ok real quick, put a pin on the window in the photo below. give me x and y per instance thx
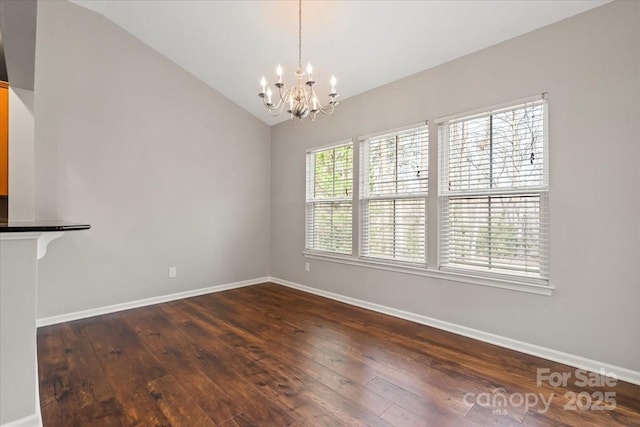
(393, 195)
(492, 199)
(493, 192)
(330, 199)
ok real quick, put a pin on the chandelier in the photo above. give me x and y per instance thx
(301, 100)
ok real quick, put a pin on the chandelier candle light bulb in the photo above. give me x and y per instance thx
(263, 82)
(309, 71)
(302, 99)
(269, 96)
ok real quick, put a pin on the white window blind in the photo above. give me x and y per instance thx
(329, 199)
(393, 194)
(493, 192)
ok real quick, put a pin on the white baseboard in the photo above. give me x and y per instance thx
(52, 320)
(623, 374)
(32, 420)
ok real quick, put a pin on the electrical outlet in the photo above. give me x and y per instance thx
(173, 272)
(307, 267)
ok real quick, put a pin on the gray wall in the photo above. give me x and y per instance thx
(18, 280)
(21, 154)
(590, 65)
(167, 171)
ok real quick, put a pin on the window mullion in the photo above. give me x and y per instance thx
(490, 231)
(334, 242)
(395, 218)
(355, 191)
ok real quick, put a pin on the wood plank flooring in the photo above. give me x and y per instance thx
(267, 355)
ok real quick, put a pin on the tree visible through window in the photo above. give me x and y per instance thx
(329, 199)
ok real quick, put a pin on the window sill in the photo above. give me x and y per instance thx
(512, 285)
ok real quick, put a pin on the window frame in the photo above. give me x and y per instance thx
(542, 191)
(311, 200)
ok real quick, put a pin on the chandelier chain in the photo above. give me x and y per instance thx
(300, 34)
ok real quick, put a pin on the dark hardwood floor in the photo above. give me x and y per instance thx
(272, 356)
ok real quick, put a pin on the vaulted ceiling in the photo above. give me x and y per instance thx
(230, 44)
(18, 41)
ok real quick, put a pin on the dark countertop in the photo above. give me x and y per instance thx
(40, 226)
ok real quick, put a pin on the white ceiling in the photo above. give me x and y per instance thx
(230, 44)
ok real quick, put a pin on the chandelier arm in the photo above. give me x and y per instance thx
(266, 104)
(273, 107)
(328, 108)
(284, 95)
(275, 110)
(275, 113)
